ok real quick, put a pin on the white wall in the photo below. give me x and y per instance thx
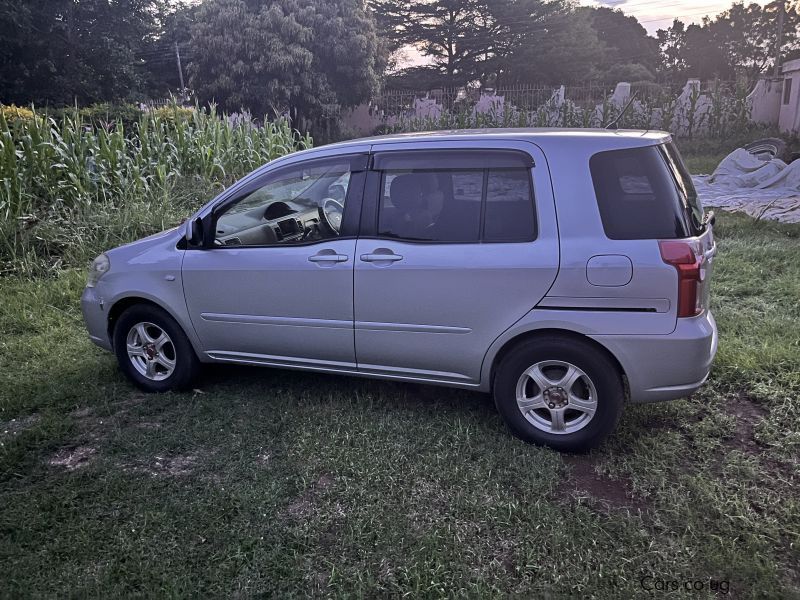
(765, 100)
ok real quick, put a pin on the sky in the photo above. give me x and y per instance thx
(659, 14)
(652, 14)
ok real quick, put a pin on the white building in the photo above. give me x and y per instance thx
(789, 119)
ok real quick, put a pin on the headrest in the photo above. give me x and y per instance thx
(406, 192)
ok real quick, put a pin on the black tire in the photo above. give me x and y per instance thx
(767, 148)
(597, 366)
(186, 363)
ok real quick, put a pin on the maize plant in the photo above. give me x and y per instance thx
(72, 171)
(43, 162)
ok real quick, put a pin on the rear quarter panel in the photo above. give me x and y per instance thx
(653, 284)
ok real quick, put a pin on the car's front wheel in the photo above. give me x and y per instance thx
(153, 351)
(559, 392)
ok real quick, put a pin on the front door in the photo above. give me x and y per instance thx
(463, 245)
(276, 287)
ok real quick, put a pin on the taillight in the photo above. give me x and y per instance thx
(685, 259)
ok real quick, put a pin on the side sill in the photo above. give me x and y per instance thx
(333, 368)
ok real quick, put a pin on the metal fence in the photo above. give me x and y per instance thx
(531, 96)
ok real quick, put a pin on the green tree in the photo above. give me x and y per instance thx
(672, 43)
(738, 42)
(304, 57)
(628, 52)
(62, 51)
(705, 54)
(630, 72)
(492, 40)
(454, 34)
(747, 35)
(563, 49)
(158, 63)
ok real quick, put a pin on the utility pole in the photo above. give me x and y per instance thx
(180, 67)
(781, 13)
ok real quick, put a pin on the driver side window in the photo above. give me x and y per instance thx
(298, 204)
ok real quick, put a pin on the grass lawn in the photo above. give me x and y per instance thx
(704, 164)
(268, 482)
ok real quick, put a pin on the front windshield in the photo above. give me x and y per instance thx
(685, 185)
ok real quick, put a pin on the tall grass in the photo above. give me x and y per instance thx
(70, 188)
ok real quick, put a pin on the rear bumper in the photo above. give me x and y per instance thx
(95, 317)
(666, 367)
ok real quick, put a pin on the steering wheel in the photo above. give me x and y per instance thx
(331, 213)
(337, 191)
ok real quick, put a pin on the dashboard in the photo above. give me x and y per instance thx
(280, 222)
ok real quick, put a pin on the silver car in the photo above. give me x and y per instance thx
(564, 271)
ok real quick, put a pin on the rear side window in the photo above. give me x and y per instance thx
(432, 206)
(509, 206)
(637, 195)
(482, 199)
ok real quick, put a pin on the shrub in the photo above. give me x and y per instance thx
(173, 113)
(108, 115)
(15, 113)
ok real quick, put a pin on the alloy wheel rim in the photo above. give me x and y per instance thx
(556, 397)
(151, 351)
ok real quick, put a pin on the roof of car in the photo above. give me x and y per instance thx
(548, 139)
(531, 134)
(543, 136)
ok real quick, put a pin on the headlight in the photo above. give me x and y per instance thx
(100, 267)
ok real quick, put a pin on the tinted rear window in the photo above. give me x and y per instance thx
(638, 195)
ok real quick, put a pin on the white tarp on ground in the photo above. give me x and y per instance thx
(766, 189)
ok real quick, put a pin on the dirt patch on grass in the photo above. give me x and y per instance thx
(304, 506)
(584, 482)
(170, 466)
(747, 413)
(72, 459)
(299, 509)
(9, 429)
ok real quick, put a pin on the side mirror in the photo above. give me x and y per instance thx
(194, 232)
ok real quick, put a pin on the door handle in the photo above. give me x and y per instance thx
(378, 257)
(331, 257)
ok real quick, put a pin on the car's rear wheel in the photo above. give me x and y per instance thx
(153, 351)
(559, 392)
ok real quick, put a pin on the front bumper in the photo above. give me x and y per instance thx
(666, 367)
(96, 317)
